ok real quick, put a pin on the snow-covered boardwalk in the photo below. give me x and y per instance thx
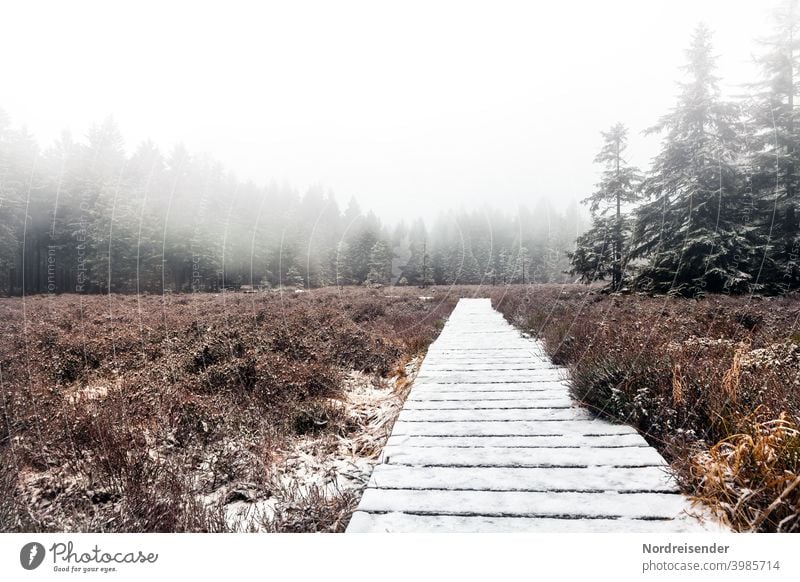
(489, 440)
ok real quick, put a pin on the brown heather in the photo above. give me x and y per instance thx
(714, 384)
(134, 414)
(151, 413)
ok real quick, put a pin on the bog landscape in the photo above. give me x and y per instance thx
(184, 350)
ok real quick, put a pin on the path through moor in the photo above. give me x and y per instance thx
(489, 440)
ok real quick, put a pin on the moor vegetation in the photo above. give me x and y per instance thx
(199, 408)
(714, 384)
(200, 412)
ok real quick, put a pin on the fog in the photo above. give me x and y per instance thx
(412, 107)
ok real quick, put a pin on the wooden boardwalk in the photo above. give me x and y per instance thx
(489, 440)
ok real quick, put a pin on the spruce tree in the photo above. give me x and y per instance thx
(775, 159)
(294, 277)
(690, 232)
(380, 263)
(412, 272)
(594, 257)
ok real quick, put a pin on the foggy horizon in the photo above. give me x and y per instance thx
(412, 111)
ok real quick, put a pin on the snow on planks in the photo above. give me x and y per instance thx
(489, 440)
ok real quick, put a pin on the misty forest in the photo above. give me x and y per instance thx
(185, 350)
(715, 211)
(99, 221)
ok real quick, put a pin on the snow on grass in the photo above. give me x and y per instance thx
(323, 470)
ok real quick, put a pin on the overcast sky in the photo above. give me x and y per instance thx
(409, 106)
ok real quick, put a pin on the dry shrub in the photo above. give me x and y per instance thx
(368, 311)
(677, 385)
(689, 374)
(733, 377)
(753, 477)
(126, 414)
(311, 509)
(318, 415)
(12, 509)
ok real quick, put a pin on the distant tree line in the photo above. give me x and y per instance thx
(717, 211)
(85, 216)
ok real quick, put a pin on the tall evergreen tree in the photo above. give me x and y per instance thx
(776, 150)
(690, 233)
(416, 267)
(618, 186)
(593, 257)
(380, 263)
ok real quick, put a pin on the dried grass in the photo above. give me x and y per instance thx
(713, 384)
(752, 478)
(148, 419)
(732, 378)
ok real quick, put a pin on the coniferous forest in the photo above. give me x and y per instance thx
(83, 216)
(717, 209)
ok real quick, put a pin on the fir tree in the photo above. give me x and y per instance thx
(775, 158)
(412, 272)
(380, 263)
(690, 231)
(294, 278)
(471, 272)
(593, 257)
(618, 186)
(602, 250)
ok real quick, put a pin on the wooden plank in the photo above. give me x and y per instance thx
(494, 354)
(488, 415)
(621, 440)
(522, 457)
(423, 387)
(363, 522)
(486, 404)
(525, 503)
(493, 376)
(487, 396)
(452, 366)
(505, 428)
(652, 479)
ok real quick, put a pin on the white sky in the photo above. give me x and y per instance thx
(410, 106)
